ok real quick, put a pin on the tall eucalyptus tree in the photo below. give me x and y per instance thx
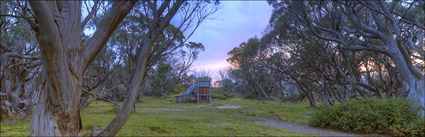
(65, 55)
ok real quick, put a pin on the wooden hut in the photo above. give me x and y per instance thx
(198, 92)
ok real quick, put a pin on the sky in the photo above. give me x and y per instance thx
(235, 22)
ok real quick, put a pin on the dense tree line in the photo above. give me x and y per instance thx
(336, 50)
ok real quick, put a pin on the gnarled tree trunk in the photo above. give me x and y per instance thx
(57, 112)
(417, 92)
(64, 58)
(413, 82)
(57, 117)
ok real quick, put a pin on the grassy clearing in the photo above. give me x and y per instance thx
(163, 117)
(296, 113)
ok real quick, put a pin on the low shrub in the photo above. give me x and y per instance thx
(394, 117)
(219, 93)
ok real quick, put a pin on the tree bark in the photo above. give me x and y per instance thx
(413, 83)
(59, 35)
(417, 93)
(53, 119)
(156, 29)
(136, 82)
(57, 112)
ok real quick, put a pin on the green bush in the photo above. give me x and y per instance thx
(219, 93)
(394, 117)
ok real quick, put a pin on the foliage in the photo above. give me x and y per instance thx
(248, 59)
(370, 115)
(145, 38)
(220, 93)
(160, 79)
(340, 50)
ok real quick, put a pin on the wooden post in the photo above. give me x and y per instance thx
(209, 94)
(197, 96)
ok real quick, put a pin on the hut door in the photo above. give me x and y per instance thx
(203, 90)
(204, 96)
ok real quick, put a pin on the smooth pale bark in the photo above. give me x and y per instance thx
(417, 93)
(412, 79)
(59, 35)
(413, 82)
(57, 112)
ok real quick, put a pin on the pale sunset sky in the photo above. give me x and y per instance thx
(234, 23)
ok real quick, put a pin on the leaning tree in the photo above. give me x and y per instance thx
(394, 29)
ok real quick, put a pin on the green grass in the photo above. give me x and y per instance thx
(220, 94)
(295, 113)
(163, 117)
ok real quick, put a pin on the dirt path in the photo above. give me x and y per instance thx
(303, 128)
